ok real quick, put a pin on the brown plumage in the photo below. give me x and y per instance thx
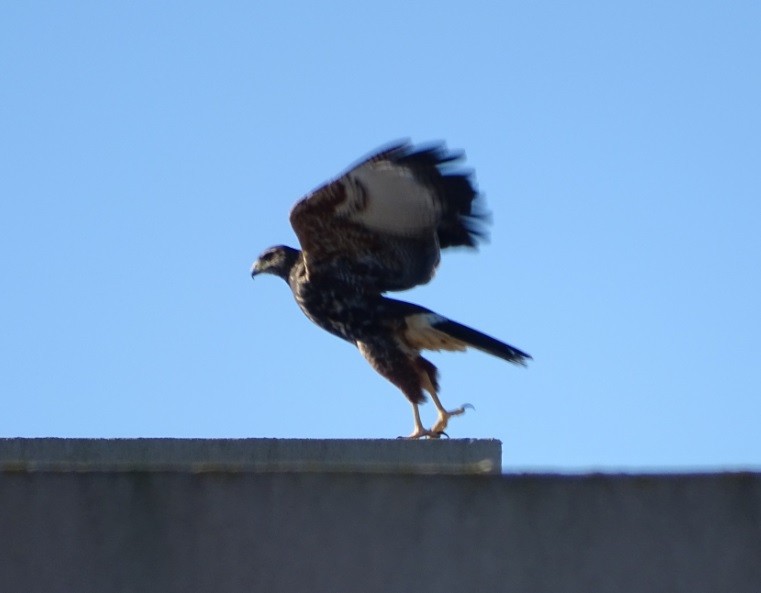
(380, 227)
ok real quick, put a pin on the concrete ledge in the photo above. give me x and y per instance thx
(450, 456)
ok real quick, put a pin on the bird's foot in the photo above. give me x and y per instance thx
(445, 415)
(420, 433)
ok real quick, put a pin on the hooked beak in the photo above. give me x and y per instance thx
(254, 270)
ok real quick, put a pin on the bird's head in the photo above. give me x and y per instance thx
(276, 260)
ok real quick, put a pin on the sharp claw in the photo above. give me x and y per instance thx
(442, 432)
(466, 406)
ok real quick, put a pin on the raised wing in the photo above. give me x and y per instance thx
(380, 225)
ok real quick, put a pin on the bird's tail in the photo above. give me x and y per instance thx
(431, 331)
(481, 341)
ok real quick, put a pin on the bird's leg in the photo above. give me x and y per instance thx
(445, 415)
(419, 431)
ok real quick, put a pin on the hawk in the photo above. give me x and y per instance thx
(380, 227)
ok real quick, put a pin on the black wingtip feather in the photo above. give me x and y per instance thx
(482, 342)
(465, 218)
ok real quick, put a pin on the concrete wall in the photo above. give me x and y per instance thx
(143, 530)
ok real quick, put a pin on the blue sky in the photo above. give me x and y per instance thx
(150, 151)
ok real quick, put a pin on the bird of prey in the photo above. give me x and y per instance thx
(379, 227)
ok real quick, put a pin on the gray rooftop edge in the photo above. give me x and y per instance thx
(454, 456)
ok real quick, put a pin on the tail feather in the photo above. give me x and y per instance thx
(481, 341)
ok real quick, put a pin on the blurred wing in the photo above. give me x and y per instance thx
(381, 224)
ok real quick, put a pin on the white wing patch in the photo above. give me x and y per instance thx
(394, 202)
(421, 334)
